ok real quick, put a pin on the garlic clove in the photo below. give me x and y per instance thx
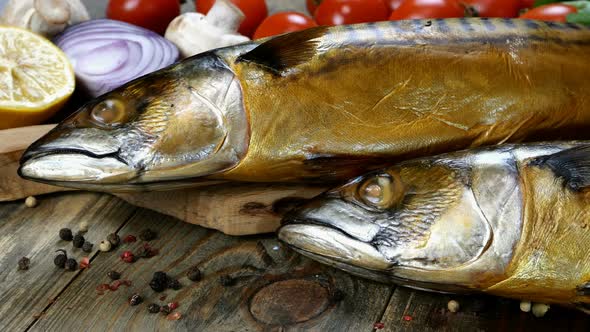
(53, 12)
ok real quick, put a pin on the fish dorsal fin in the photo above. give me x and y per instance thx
(285, 51)
(572, 165)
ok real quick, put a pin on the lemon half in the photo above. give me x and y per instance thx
(36, 78)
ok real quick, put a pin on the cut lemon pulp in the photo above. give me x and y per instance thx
(36, 78)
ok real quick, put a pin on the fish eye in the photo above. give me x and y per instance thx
(110, 112)
(381, 191)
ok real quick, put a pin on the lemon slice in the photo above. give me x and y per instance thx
(36, 78)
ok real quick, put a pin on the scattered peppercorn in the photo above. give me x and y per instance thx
(173, 305)
(135, 299)
(408, 318)
(227, 280)
(105, 246)
(114, 275)
(147, 251)
(129, 239)
(174, 284)
(60, 260)
(147, 235)
(453, 306)
(160, 276)
(85, 263)
(78, 241)
(24, 263)
(165, 310)
(71, 264)
(83, 226)
(31, 202)
(174, 316)
(128, 257)
(157, 286)
(153, 308)
(539, 309)
(194, 273)
(87, 246)
(525, 306)
(66, 234)
(114, 239)
(378, 326)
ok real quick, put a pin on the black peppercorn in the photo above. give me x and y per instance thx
(23, 263)
(71, 264)
(135, 299)
(60, 260)
(174, 284)
(157, 286)
(114, 275)
(114, 239)
(160, 276)
(87, 246)
(159, 281)
(78, 241)
(66, 234)
(147, 235)
(166, 310)
(153, 308)
(227, 280)
(194, 273)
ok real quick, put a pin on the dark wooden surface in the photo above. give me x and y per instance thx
(275, 289)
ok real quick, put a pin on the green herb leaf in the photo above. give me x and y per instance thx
(573, 3)
(580, 18)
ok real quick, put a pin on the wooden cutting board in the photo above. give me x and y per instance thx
(235, 209)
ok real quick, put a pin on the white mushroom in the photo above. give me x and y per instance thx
(194, 33)
(45, 17)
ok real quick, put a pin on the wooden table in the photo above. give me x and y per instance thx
(275, 289)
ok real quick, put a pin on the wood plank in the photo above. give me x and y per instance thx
(428, 312)
(13, 142)
(235, 209)
(276, 289)
(33, 232)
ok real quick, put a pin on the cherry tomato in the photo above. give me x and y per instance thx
(312, 5)
(494, 8)
(337, 12)
(394, 4)
(150, 14)
(254, 10)
(526, 4)
(553, 12)
(414, 9)
(282, 23)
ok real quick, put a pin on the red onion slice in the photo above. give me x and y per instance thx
(106, 53)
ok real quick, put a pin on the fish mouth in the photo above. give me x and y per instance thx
(70, 165)
(329, 244)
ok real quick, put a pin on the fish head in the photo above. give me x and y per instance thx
(408, 224)
(185, 121)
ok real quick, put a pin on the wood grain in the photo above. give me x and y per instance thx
(13, 142)
(428, 312)
(33, 232)
(275, 289)
(235, 209)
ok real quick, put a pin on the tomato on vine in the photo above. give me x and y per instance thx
(154, 15)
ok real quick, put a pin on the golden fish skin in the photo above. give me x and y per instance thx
(510, 221)
(413, 88)
(325, 104)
